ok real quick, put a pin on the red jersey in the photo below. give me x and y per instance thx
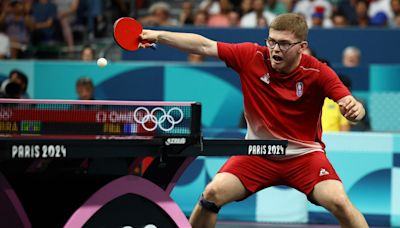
(283, 106)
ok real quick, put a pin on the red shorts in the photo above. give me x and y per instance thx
(302, 172)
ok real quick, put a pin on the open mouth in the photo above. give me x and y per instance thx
(277, 58)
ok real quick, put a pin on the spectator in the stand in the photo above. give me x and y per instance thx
(88, 53)
(377, 6)
(4, 44)
(351, 56)
(210, 6)
(235, 5)
(339, 20)
(66, 14)
(331, 119)
(96, 21)
(234, 19)
(262, 22)
(200, 18)
(221, 19)
(251, 19)
(27, 6)
(44, 15)
(289, 4)
(17, 25)
(15, 86)
(362, 13)
(348, 9)
(160, 15)
(395, 13)
(317, 20)
(395, 7)
(85, 89)
(246, 6)
(276, 7)
(380, 19)
(186, 15)
(310, 7)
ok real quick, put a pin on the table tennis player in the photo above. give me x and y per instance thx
(283, 92)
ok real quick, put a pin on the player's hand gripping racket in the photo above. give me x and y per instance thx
(127, 34)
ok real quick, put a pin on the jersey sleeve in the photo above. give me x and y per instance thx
(331, 84)
(236, 56)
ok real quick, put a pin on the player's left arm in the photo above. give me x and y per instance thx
(350, 108)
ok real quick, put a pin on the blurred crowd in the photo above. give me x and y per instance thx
(44, 28)
(258, 13)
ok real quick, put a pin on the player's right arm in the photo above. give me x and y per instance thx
(188, 42)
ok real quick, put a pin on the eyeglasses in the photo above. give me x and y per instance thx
(283, 46)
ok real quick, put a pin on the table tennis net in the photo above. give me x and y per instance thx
(89, 118)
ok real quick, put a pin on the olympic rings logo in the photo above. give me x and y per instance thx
(166, 121)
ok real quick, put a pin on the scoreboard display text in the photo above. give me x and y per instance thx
(75, 119)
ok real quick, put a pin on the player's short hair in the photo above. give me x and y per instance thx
(292, 22)
(84, 81)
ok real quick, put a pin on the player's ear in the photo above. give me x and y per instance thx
(303, 46)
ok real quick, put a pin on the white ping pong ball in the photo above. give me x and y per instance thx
(150, 226)
(102, 62)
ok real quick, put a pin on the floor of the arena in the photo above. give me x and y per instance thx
(234, 224)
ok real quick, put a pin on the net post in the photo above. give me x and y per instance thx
(196, 120)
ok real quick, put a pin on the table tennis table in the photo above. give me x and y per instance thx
(80, 163)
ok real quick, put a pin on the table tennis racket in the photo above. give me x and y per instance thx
(127, 34)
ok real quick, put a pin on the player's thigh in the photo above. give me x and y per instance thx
(226, 187)
(329, 194)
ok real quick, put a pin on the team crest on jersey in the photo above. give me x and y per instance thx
(265, 78)
(299, 89)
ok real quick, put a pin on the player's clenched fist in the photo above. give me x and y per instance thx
(352, 109)
(149, 35)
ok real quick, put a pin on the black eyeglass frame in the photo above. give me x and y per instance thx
(280, 43)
